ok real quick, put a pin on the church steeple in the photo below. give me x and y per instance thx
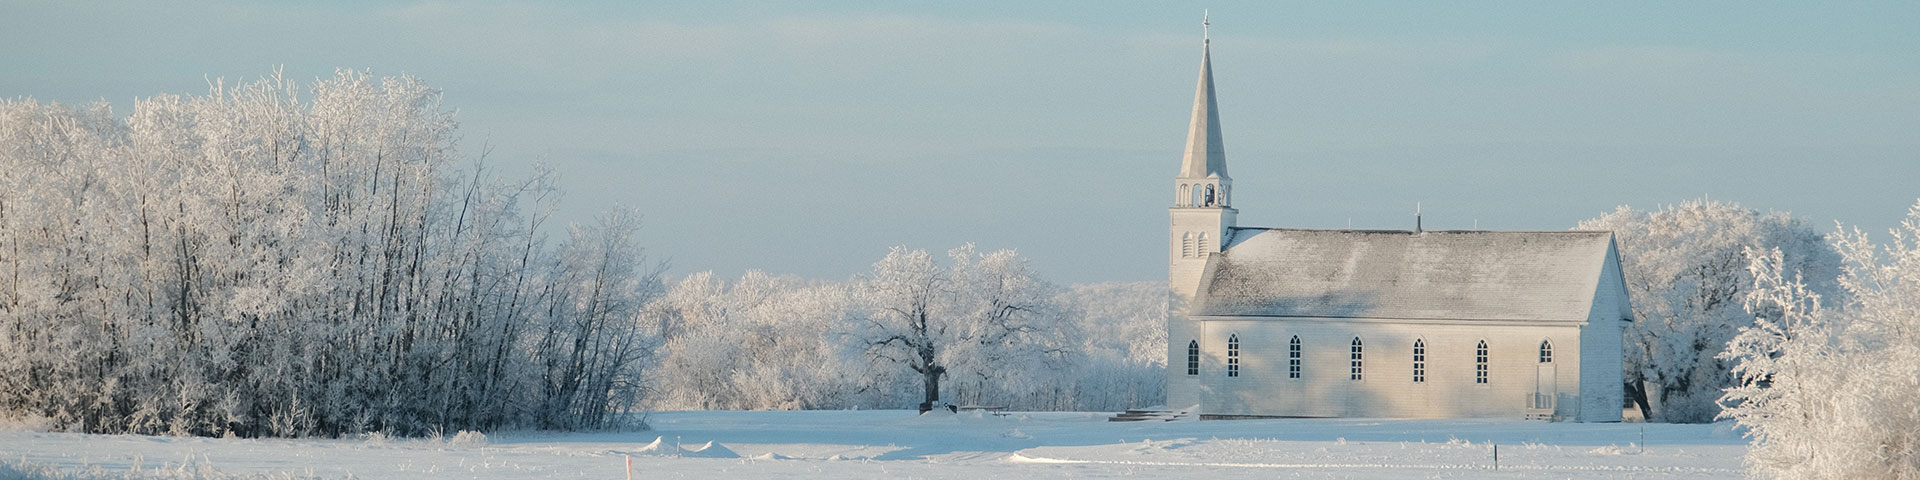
(1203, 180)
(1205, 154)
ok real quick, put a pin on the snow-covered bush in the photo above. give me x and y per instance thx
(468, 438)
(1686, 275)
(1827, 388)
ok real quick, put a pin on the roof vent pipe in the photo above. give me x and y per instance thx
(1416, 218)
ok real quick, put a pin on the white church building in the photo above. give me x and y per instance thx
(1277, 322)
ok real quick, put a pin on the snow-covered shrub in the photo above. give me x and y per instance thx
(29, 423)
(1827, 388)
(468, 438)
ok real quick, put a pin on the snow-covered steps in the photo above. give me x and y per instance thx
(1151, 415)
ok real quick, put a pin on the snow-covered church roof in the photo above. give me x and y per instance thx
(1455, 275)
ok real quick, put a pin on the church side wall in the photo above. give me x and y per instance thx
(1386, 389)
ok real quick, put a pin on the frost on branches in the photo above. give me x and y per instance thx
(780, 342)
(984, 320)
(761, 342)
(1686, 272)
(248, 262)
(1125, 359)
(1830, 392)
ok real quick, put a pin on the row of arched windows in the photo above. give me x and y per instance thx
(1356, 367)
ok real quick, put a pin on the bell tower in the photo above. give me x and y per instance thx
(1202, 221)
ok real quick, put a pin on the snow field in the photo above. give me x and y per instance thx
(900, 444)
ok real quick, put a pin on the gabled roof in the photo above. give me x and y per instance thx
(1440, 275)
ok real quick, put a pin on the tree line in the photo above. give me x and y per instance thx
(255, 263)
(973, 327)
(250, 262)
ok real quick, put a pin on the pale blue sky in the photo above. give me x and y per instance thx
(807, 138)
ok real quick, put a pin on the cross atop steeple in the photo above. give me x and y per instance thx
(1206, 33)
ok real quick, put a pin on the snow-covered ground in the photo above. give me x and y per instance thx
(897, 444)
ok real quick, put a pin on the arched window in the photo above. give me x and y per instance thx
(1180, 197)
(1233, 355)
(1195, 196)
(1480, 363)
(1186, 245)
(1546, 352)
(1193, 357)
(1203, 244)
(1355, 372)
(1419, 361)
(1209, 198)
(1293, 357)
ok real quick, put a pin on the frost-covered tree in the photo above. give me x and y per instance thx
(592, 342)
(1827, 387)
(762, 342)
(780, 342)
(986, 319)
(256, 263)
(1125, 363)
(1686, 272)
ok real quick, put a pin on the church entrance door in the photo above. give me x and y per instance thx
(1544, 388)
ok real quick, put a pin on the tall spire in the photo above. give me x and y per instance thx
(1205, 155)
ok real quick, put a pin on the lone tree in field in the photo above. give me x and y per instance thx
(976, 314)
